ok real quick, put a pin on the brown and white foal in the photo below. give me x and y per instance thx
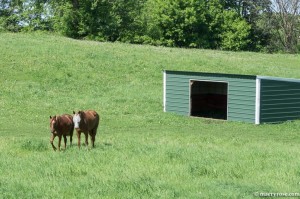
(86, 122)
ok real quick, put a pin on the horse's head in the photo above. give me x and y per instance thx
(77, 118)
(53, 123)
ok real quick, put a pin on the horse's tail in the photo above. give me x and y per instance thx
(97, 118)
(72, 124)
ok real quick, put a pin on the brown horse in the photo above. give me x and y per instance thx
(86, 122)
(61, 126)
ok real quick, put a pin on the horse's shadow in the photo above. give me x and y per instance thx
(107, 144)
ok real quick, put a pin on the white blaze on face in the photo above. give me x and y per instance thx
(76, 120)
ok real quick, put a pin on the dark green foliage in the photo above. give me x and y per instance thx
(236, 31)
(182, 22)
(10, 15)
(214, 24)
(98, 20)
(195, 23)
(18, 15)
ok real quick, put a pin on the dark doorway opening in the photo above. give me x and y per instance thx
(208, 99)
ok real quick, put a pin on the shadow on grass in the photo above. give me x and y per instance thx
(34, 145)
(107, 144)
(41, 146)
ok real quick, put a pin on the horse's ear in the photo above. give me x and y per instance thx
(50, 117)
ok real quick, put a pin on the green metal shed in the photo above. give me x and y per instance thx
(248, 98)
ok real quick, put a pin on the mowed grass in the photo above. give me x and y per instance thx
(140, 151)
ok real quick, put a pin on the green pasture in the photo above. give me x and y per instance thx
(140, 151)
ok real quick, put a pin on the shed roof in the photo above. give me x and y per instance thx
(239, 75)
(211, 74)
(278, 79)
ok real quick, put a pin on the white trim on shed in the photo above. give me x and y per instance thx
(257, 102)
(164, 89)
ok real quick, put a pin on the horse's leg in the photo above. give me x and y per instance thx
(51, 141)
(65, 141)
(93, 140)
(71, 135)
(93, 137)
(86, 138)
(59, 141)
(78, 136)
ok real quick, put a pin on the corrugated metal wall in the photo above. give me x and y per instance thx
(241, 93)
(280, 101)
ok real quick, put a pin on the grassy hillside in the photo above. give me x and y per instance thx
(140, 151)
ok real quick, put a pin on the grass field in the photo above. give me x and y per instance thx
(140, 151)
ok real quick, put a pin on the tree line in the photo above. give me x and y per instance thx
(250, 25)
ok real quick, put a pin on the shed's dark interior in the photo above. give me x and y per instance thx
(209, 99)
